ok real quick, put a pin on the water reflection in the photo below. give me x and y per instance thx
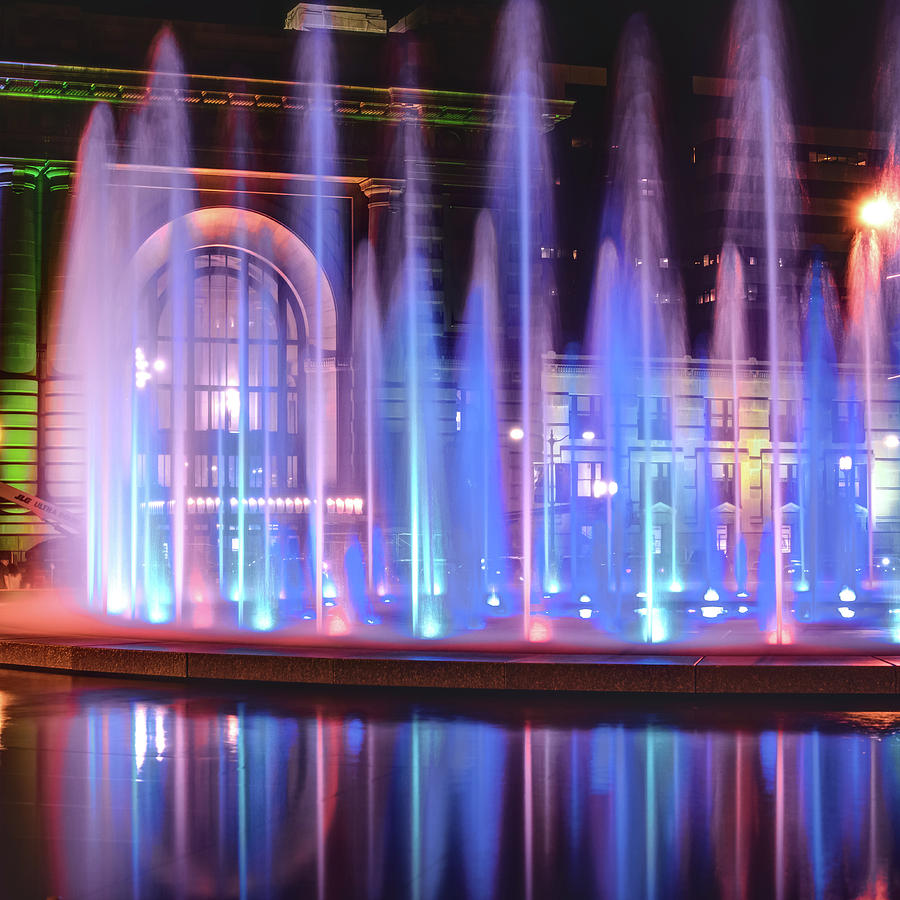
(115, 790)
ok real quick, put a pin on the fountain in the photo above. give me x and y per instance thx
(279, 433)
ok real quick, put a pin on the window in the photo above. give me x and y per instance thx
(242, 342)
(788, 425)
(720, 420)
(585, 416)
(785, 538)
(722, 538)
(657, 540)
(588, 474)
(657, 477)
(164, 470)
(256, 472)
(853, 482)
(201, 471)
(790, 488)
(654, 418)
(721, 481)
(847, 422)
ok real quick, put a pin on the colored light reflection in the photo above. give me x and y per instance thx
(294, 777)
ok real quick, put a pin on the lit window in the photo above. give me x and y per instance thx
(587, 473)
(785, 538)
(722, 538)
(164, 470)
(244, 360)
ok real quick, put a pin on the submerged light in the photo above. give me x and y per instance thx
(743, 609)
(676, 587)
(711, 595)
(584, 613)
(846, 595)
(584, 598)
(710, 612)
(846, 612)
(539, 631)
(493, 599)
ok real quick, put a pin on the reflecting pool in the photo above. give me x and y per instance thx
(126, 789)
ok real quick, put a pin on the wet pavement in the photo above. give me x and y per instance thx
(134, 789)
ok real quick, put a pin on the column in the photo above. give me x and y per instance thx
(19, 232)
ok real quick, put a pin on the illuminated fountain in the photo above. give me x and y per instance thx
(493, 490)
(762, 121)
(638, 329)
(524, 222)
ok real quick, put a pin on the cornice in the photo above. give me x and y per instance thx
(132, 87)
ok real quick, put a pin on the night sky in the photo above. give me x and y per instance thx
(834, 46)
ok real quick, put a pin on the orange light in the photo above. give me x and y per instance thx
(878, 212)
(337, 625)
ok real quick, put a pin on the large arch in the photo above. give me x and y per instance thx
(258, 235)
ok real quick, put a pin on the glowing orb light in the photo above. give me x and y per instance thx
(337, 625)
(539, 631)
(516, 433)
(877, 212)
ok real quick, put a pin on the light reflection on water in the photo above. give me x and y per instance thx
(129, 790)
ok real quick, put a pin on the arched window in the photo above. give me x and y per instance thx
(236, 346)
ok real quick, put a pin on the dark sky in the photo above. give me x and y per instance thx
(833, 46)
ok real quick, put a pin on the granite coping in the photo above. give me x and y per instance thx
(611, 673)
